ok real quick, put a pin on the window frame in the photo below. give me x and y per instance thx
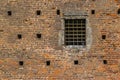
(88, 33)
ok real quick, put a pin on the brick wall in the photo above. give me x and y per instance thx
(47, 58)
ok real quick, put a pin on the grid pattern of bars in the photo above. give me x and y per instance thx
(75, 32)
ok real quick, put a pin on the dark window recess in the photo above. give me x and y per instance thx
(38, 35)
(104, 61)
(58, 12)
(76, 62)
(75, 32)
(118, 11)
(92, 11)
(103, 36)
(9, 13)
(21, 63)
(19, 36)
(47, 63)
(38, 12)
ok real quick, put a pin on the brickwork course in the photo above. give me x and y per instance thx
(32, 40)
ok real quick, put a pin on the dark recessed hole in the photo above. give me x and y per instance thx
(19, 36)
(118, 11)
(21, 63)
(75, 62)
(9, 13)
(38, 12)
(47, 63)
(92, 11)
(58, 12)
(104, 61)
(38, 35)
(1, 30)
(103, 36)
(24, 49)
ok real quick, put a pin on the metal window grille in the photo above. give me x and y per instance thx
(75, 32)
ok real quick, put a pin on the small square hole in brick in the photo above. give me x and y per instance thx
(103, 36)
(104, 61)
(47, 63)
(58, 12)
(118, 11)
(38, 35)
(38, 12)
(1, 30)
(75, 62)
(92, 11)
(21, 63)
(9, 13)
(19, 36)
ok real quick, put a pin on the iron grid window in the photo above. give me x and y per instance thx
(75, 32)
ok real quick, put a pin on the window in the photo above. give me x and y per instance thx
(58, 12)
(20, 63)
(92, 11)
(118, 11)
(75, 32)
(9, 13)
(19, 36)
(38, 12)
